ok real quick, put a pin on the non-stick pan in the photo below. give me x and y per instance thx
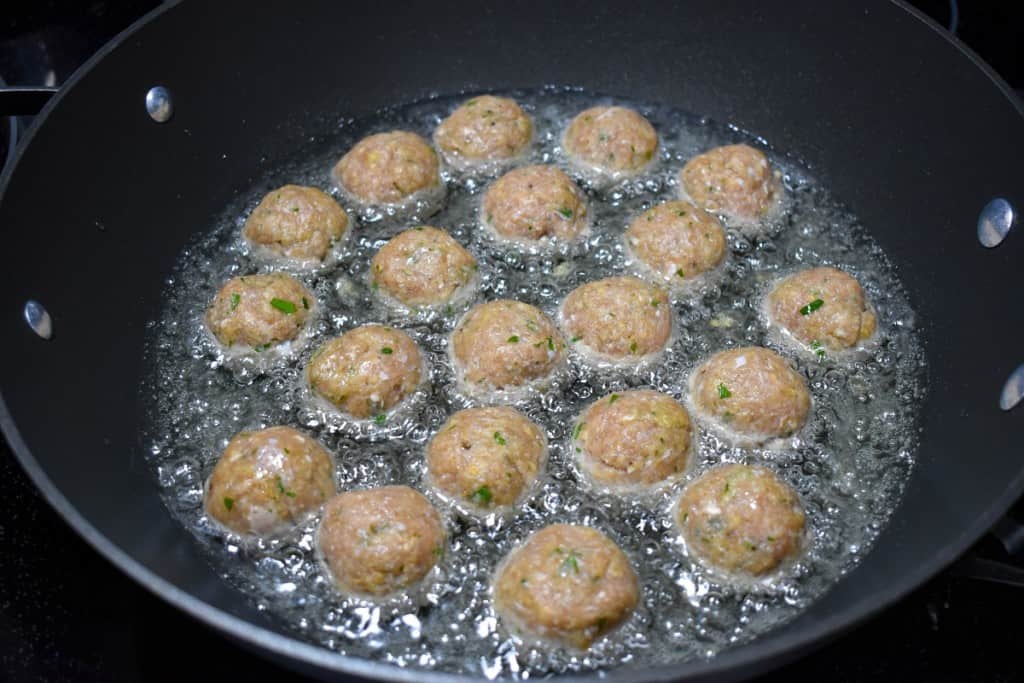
(906, 126)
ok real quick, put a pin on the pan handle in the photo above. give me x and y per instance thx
(24, 101)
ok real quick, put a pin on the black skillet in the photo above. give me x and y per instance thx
(907, 127)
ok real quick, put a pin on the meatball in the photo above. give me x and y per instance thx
(735, 181)
(505, 344)
(422, 267)
(388, 168)
(752, 391)
(380, 541)
(533, 203)
(259, 311)
(295, 222)
(618, 318)
(612, 139)
(741, 519)
(269, 481)
(366, 371)
(486, 458)
(485, 128)
(822, 307)
(633, 439)
(566, 583)
(677, 241)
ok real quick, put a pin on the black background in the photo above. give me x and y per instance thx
(66, 614)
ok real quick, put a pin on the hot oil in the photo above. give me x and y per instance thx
(849, 463)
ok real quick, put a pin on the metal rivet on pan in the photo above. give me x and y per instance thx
(158, 104)
(38, 319)
(1013, 390)
(994, 221)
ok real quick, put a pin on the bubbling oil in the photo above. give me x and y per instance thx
(849, 463)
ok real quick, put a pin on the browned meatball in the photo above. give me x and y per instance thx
(619, 318)
(533, 203)
(378, 542)
(422, 267)
(752, 391)
(631, 439)
(485, 128)
(734, 181)
(388, 168)
(367, 370)
(741, 519)
(505, 344)
(822, 307)
(568, 584)
(613, 139)
(268, 481)
(296, 222)
(259, 311)
(486, 458)
(676, 241)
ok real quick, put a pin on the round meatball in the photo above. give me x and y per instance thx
(505, 344)
(619, 318)
(677, 241)
(486, 458)
(380, 541)
(296, 222)
(735, 181)
(741, 519)
(613, 139)
(569, 584)
(259, 311)
(485, 128)
(388, 168)
(633, 439)
(752, 391)
(267, 482)
(366, 371)
(822, 307)
(422, 267)
(533, 203)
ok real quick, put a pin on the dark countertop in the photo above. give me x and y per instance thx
(66, 614)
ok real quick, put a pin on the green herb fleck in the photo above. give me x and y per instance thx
(259, 348)
(284, 305)
(386, 350)
(235, 298)
(380, 419)
(570, 563)
(482, 496)
(655, 303)
(513, 339)
(229, 503)
(576, 432)
(723, 391)
(438, 551)
(726, 487)
(575, 338)
(680, 273)
(565, 211)
(812, 307)
(374, 285)
(305, 303)
(499, 438)
(551, 344)
(601, 623)
(682, 213)
(613, 398)
(632, 347)
(819, 350)
(282, 489)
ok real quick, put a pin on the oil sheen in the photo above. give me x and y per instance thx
(849, 463)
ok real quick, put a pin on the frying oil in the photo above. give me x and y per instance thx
(849, 463)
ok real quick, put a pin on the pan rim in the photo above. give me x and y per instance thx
(740, 660)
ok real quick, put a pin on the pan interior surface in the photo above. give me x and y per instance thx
(905, 128)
